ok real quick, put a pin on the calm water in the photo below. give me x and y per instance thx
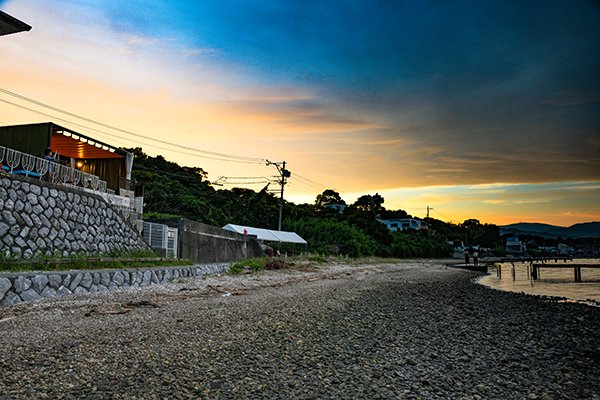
(557, 282)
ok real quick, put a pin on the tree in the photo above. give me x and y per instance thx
(329, 196)
(372, 204)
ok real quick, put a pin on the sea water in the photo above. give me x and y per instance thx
(557, 282)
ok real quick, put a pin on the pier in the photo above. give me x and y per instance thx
(535, 269)
(537, 263)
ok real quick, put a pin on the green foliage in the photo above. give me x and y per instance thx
(418, 245)
(83, 264)
(499, 251)
(253, 264)
(323, 234)
(358, 232)
(329, 196)
(317, 258)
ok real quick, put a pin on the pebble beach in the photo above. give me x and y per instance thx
(410, 330)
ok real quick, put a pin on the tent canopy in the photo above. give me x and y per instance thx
(266, 234)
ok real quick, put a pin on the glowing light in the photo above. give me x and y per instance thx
(90, 142)
(98, 145)
(83, 140)
(67, 134)
(104, 147)
(76, 137)
(111, 150)
(79, 164)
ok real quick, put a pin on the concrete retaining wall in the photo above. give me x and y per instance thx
(41, 219)
(205, 243)
(22, 287)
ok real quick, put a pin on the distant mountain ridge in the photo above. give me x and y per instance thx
(582, 230)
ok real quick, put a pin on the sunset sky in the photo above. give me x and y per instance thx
(487, 110)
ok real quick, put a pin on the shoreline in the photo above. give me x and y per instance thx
(403, 330)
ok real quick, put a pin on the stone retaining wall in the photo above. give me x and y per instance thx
(21, 287)
(41, 219)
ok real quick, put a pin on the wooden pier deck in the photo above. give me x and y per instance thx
(535, 269)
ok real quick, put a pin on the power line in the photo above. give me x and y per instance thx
(316, 184)
(212, 153)
(119, 137)
(205, 153)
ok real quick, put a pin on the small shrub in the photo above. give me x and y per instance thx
(317, 258)
(277, 263)
(254, 265)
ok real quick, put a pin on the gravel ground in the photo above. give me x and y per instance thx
(408, 330)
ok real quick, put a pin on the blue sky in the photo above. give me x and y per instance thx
(361, 96)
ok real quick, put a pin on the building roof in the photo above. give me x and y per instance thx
(66, 141)
(9, 24)
(266, 234)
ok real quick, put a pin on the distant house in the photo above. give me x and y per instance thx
(565, 250)
(515, 246)
(402, 224)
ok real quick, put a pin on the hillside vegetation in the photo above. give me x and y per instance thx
(173, 190)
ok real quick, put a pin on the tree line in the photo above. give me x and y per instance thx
(176, 191)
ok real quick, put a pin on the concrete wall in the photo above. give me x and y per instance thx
(41, 219)
(28, 286)
(205, 243)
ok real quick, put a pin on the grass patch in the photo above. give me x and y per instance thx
(253, 264)
(65, 264)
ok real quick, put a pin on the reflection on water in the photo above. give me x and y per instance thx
(558, 282)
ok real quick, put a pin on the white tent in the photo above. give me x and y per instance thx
(266, 234)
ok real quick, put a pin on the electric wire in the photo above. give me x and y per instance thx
(212, 153)
(311, 182)
(119, 137)
(442, 215)
(301, 180)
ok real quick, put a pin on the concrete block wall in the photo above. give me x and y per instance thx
(41, 219)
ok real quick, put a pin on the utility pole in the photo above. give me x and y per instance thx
(428, 209)
(284, 173)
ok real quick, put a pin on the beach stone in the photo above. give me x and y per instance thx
(39, 282)
(5, 285)
(118, 278)
(49, 292)
(80, 290)
(66, 280)
(104, 279)
(11, 298)
(9, 218)
(146, 279)
(96, 277)
(30, 295)
(102, 288)
(75, 282)
(3, 228)
(86, 280)
(21, 284)
(63, 291)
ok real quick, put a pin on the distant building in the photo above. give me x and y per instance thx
(551, 250)
(565, 250)
(402, 224)
(515, 246)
